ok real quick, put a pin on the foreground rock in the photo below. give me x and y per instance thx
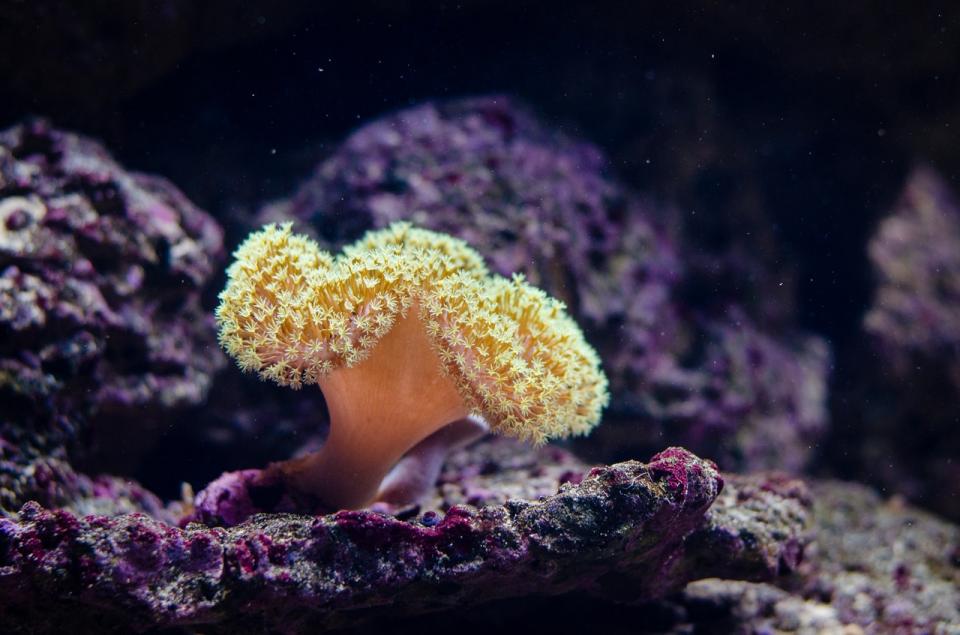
(873, 566)
(629, 531)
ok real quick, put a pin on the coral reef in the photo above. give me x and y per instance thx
(768, 146)
(685, 367)
(101, 322)
(624, 528)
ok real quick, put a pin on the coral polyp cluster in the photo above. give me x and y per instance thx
(294, 314)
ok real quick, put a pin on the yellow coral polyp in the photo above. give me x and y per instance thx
(405, 331)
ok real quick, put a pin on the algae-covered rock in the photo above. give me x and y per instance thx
(101, 321)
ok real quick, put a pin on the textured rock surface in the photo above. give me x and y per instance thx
(626, 531)
(874, 566)
(733, 606)
(748, 399)
(883, 563)
(100, 315)
(701, 373)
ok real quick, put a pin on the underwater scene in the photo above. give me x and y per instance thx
(479, 316)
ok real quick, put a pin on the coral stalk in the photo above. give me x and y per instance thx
(379, 409)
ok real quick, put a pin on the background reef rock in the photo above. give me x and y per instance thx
(916, 256)
(900, 411)
(103, 336)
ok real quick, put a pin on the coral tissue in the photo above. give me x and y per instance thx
(405, 332)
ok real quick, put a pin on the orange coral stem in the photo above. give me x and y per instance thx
(379, 409)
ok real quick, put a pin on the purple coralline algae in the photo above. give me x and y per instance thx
(909, 404)
(916, 256)
(537, 201)
(101, 321)
(756, 400)
(635, 529)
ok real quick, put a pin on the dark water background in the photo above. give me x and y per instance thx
(809, 115)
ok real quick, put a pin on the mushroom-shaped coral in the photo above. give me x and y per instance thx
(405, 332)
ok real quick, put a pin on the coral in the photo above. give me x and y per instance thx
(622, 529)
(685, 366)
(414, 476)
(100, 315)
(488, 473)
(404, 333)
